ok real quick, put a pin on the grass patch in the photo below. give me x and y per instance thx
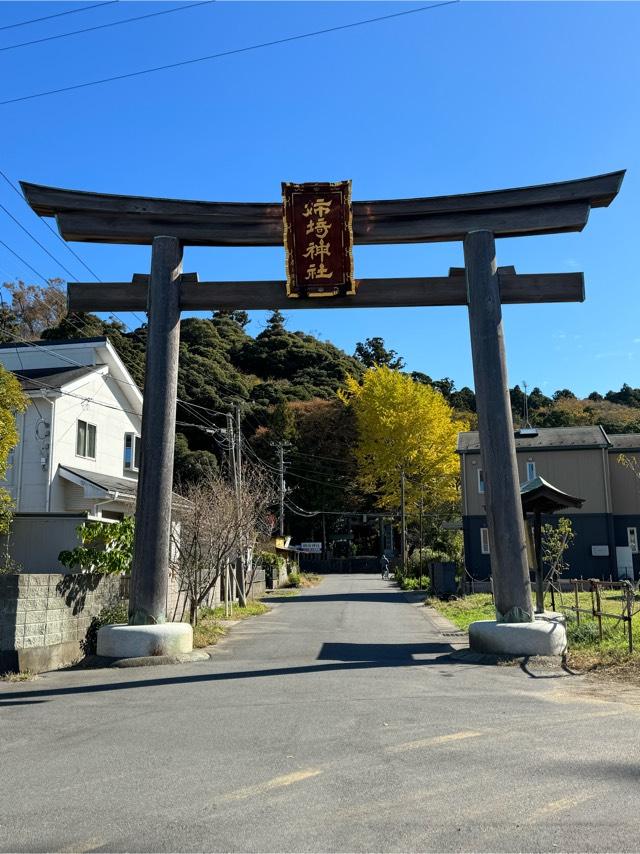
(209, 629)
(461, 612)
(309, 579)
(22, 676)
(283, 591)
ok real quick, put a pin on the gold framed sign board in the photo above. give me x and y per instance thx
(318, 239)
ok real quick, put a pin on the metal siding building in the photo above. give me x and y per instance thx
(582, 461)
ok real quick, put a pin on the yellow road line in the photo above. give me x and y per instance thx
(434, 741)
(83, 847)
(561, 805)
(276, 783)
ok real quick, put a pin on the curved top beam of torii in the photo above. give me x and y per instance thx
(539, 209)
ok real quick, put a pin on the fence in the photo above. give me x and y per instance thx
(597, 591)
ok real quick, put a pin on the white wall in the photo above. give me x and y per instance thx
(48, 428)
(108, 410)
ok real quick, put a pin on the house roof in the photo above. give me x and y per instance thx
(625, 441)
(546, 437)
(53, 342)
(125, 487)
(34, 379)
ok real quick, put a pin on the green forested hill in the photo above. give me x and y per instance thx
(285, 383)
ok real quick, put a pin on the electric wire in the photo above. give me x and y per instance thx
(140, 320)
(36, 241)
(226, 53)
(26, 263)
(105, 26)
(57, 15)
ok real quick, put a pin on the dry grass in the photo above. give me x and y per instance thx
(309, 579)
(209, 629)
(22, 676)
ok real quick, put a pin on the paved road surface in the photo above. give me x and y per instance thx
(334, 723)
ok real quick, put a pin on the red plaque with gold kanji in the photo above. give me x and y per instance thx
(318, 239)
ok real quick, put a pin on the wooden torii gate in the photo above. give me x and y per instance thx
(475, 219)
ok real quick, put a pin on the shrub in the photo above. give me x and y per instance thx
(113, 614)
(295, 580)
(414, 583)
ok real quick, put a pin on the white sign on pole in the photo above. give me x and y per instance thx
(310, 547)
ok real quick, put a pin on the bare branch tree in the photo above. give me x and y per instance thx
(213, 525)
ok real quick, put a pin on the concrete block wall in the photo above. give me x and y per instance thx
(44, 617)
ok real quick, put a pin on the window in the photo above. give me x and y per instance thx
(480, 481)
(531, 471)
(632, 540)
(131, 452)
(86, 440)
(484, 541)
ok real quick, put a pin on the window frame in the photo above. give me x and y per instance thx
(531, 466)
(481, 484)
(86, 444)
(485, 548)
(134, 464)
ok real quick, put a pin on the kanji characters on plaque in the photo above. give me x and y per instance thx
(318, 239)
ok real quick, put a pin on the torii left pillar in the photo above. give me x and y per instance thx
(150, 571)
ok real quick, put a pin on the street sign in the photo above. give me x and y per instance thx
(310, 547)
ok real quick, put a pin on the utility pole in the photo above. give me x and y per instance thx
(403, 524)
(234, 473)
(281, 448)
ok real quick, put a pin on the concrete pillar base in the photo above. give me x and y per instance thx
(139, 641)
(541, 637)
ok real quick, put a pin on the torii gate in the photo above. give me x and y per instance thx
(475, 219)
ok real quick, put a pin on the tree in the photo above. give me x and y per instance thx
(214, 526)
(563, 394)
(374, 353)
(404, 426)
(37, 308)
(556, 539)
(12, 401)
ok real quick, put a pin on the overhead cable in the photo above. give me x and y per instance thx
(225, 53)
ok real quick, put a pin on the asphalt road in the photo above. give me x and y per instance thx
(335, 723)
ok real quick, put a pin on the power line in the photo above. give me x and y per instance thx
(105, 26)
(57, 15)
(37, 242)
(64, 243)
(26, 264)
(225, 53)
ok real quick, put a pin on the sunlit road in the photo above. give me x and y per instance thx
(335, 723)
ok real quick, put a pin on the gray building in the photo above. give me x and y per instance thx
(581, 461)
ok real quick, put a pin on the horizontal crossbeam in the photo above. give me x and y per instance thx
(372, 293)
(520, 211)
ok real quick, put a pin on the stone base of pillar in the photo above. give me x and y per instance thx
(139, 641)
(546, 635)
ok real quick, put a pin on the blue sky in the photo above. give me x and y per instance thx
(467, 97)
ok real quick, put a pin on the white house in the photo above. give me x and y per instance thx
(79, 443)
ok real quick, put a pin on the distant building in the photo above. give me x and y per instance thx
(581, 461)
(78, 454)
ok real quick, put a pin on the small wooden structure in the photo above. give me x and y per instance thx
(538, 497)
(475, 219)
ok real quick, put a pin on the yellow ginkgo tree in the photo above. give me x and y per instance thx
(12, 400)
(405, 426)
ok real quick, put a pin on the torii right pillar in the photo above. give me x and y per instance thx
(514, 631)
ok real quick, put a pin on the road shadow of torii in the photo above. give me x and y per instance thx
(332, 657)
